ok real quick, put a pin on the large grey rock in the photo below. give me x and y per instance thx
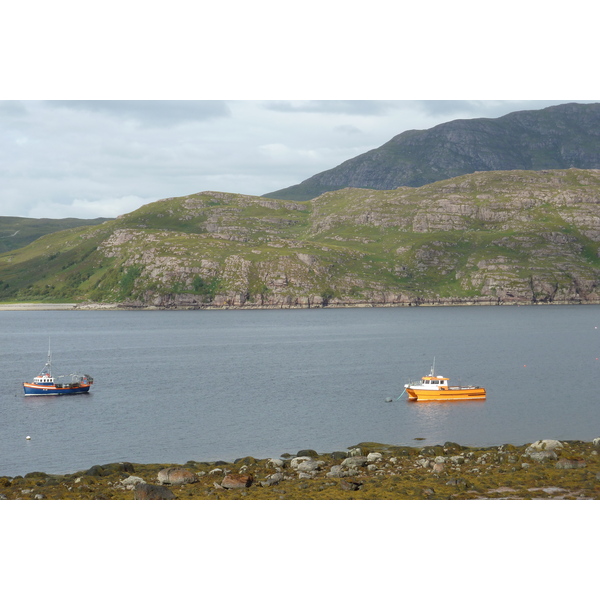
(336, 471)
(541, 445)
(130, 482)
(273, 479)
(543, 455)
(309, 466)
(354, 461)
(298, 460)
(147, 491)
(565, 463)
(374, 457)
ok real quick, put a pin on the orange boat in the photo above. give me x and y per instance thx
(437, 388)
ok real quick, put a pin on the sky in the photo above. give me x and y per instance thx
(103, 111)
(103, 158)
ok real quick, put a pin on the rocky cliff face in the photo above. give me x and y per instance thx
(557, 137)
(487, 238)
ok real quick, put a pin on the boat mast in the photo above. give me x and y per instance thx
(48, 365)
(432, 374)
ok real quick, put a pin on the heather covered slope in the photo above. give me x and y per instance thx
(491, 237)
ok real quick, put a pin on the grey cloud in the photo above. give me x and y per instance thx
(12, 109)
(346, 107)
(348, 129)
(157, 113)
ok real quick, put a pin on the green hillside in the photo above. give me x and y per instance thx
(17, 232)
(491, 237)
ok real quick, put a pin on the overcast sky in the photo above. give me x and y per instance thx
(104, 158)
(107, 106)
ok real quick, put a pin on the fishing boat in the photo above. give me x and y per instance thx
(45, 384)
(437, 388)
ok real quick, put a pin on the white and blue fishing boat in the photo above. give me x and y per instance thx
(45, 384)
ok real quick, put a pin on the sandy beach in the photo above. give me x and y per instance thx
(37, 306)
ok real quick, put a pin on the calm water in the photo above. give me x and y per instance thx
(210, 385)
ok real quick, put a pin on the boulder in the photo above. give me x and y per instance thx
(541, 445)
(374, 457)
(131, 481)
(432, 451)
(542, 455)
(96, 471)
(176, 476)
(352, 486)
(273, 479)
(354, 461)
(309, 466)
(312, 453)
(276, 463)
(338, 455)
(336, 471)
(233, 481)
(147, 491)
(297, 460)
(565, 463)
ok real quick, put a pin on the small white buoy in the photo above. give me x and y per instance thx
(388, 399)
(28, 438)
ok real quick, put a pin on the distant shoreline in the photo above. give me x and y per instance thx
(32, 306)
(117, 306)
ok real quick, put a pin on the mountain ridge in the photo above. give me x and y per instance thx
(561, 136)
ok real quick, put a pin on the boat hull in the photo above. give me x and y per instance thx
(31, 389)
(417, 395)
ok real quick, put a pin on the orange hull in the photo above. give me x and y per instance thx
(444, 395)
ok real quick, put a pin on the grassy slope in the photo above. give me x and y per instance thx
(18, 232)
(502, 230)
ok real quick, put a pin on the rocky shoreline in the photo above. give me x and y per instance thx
(546, 469)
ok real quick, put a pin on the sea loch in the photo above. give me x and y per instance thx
(173, 386)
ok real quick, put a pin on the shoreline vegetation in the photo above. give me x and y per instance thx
(546, 469)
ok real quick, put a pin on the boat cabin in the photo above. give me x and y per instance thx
(43, 378)
(435, 380)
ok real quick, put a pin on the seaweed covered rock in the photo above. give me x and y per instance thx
(311, 453)
(147, 491)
